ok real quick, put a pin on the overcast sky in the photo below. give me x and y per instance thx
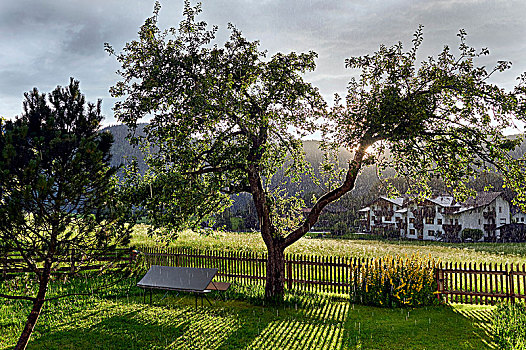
(44, 42)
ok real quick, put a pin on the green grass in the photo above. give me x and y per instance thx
(118, 319)
(351, 246)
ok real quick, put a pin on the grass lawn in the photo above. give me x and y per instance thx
(120, 320)
(353, 247)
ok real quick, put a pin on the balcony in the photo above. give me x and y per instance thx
(384, 212)
(449, 210)
(401, 225)
(429, 212)
(451, 228)
(489, 214)
(490, 227)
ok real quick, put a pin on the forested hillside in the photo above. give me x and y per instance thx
(122, 152)
(368, 186)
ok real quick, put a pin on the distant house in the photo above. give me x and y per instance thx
(517, 215)
(380, 214)
(437, 218)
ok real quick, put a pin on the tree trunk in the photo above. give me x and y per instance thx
(35, 311)
(275, 282)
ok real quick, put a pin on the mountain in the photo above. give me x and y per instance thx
(366, 184)
(121, 150)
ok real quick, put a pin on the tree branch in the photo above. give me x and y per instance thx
(214, 170)
(17, 297)
(348, 184)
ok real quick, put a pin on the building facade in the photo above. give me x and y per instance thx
(438, 218)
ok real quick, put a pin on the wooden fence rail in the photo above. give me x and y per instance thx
(14, 263)
(461, 283)
(470, 283)
(302, 272)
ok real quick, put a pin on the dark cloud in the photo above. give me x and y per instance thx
(43, 43)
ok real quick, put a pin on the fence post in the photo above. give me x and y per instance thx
(511, 286)
(289, 273)
(133, 256)
(440, 282)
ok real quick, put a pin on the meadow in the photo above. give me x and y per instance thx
(348, 246)
(118, 317)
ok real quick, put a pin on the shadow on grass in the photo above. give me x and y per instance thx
(169, 323)
(436, 327)
(303, 322)
(314, 326)
(124, 331)
(481, 317)
(248, 329)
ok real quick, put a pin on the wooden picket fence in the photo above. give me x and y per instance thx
(302, 272)
(467, 283)
(13, 262)
(471, 283)
(460, 283)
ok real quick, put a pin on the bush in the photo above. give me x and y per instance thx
(340, 229)
(509, 326)
(390, 234)
(473, 233)
(396, 281)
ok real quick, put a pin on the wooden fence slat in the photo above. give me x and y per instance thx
(467, 283)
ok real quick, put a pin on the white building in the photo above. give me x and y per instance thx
(381, 214)
(518, 216)
(438, 218)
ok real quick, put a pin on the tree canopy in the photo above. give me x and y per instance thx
(57, 194)
(225, 118)
(435, 118)
(216, 113)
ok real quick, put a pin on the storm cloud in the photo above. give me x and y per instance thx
(43, 43)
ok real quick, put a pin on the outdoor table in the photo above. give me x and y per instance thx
(183, 279)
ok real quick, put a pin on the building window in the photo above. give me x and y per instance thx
(451, 221)
(500, 209)
(412, 220)
(431, 233)
(439, 221)
(522, 219)
(503, 221)
(412, 231)
(456, 221)
(429, 221)
(479, 221)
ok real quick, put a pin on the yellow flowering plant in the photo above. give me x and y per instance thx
(396, 281)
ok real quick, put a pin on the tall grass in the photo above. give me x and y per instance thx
(359, 248)
(509, 326)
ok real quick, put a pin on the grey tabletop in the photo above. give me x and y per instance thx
(190, 279)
